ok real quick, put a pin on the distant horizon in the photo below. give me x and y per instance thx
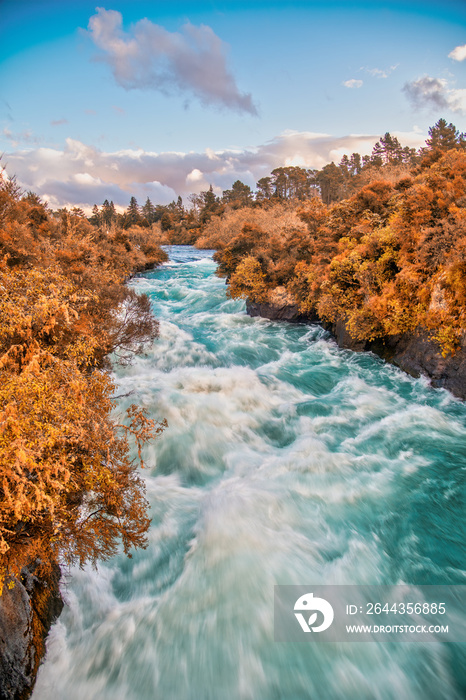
(148, 100)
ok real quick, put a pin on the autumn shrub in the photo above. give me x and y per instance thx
(68, 489)
(388, 260)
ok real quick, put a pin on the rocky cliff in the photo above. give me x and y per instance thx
(27, 611)
(414, 353)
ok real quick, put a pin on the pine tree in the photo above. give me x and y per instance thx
(132, 214)
(148, 212)
(443, 137)
(108, 213)
(391, 148)
(96, 218)
(240, 194)
(264, 188)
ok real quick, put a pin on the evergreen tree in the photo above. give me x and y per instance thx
(344, 165)
(240, 194)
(166, 221)
(210, 205)
(377, 154)
(264, 188)
(332, 183)
(132, 214)
(108, 213)
(355, 164)
(148, 212)
(392, 150)
(95, 219)
(443, 137)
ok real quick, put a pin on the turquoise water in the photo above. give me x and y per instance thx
(286, 461)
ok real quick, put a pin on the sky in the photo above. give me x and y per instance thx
(159, 99)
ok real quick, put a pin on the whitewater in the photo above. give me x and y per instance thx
(286, 461)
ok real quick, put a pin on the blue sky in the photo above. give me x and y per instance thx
(159, 99)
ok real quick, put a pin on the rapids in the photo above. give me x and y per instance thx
(286, 461)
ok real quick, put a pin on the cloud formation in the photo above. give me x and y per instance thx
(25, 136)
(81, 175)
(458, 53)
(353, 83)
(381, 72)
(435, 93)
(191, 61)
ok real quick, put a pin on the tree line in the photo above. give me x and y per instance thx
(334, 182)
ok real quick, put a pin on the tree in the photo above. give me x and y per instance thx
(148, 212)
(248, 281)
(206, 203)
(108, 213)
(264, 189)
(355, 164)
(166, 221)
(68, 487)
(332, 183)
(240, 194)
(443, 137)
(391, 149)
(95, 219)
(377, 155)
(132, 214)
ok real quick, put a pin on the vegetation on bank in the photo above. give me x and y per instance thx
(68, 487)
(388, 259)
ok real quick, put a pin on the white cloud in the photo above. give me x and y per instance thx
(380, 72)
(25, 136)
(194, 176)
(457, 100)
(458, 53)
(81, 175)
(435, 93)
(150, 57)
(353, 83)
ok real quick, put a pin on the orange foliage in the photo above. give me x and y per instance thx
(68, 487)
(388, 260)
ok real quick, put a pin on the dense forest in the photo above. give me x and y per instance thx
(69, 490)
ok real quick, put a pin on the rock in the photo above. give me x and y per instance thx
(344, 339)
(27, 611)
(417, 354)
(279, 307)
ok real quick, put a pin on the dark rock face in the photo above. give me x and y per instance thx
(414, 353)
(276, 312)
(417, 355)
(27, 612)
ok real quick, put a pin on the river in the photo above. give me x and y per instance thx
(286, 461)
